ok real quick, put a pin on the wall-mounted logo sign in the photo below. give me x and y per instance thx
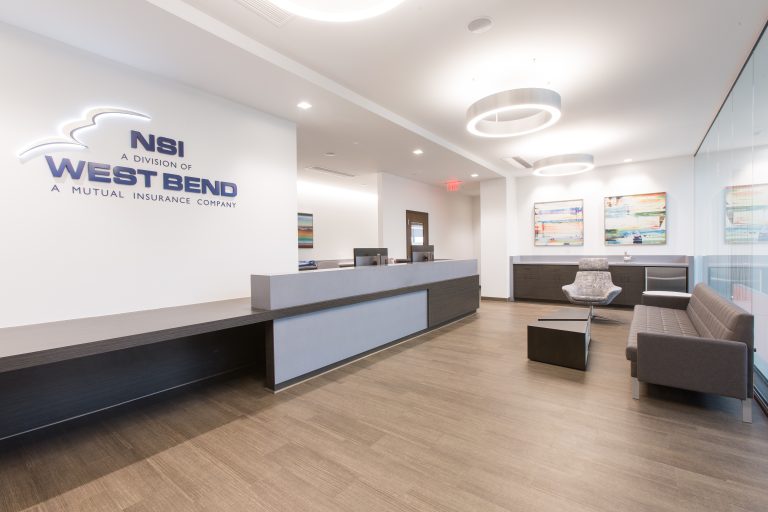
(107, 180)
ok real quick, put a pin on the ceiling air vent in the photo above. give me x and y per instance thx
(268, 11)
(325, 170)
(517, 161)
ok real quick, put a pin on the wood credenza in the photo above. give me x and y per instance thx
(537, 281)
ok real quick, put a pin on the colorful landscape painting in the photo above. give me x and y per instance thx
(746, 214)
(306, 234)
(559, 223)
(636, 220)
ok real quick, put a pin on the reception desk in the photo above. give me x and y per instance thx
(294, 327)
(329, 317)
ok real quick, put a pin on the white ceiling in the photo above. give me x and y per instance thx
(171, 47)
(639, 79)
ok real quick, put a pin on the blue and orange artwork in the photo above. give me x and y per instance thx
(306, 233)
(639, 219)
(559, 223)
(746, 214)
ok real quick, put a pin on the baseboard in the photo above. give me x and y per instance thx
(496, 299)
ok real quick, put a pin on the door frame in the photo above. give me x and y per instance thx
(410, 216)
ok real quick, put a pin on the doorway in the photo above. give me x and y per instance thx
(416, 230)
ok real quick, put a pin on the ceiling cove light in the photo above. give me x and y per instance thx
(514, 112)
(563, 165)
(338, 11)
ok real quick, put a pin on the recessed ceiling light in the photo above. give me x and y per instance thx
(474, 175)
(512, 113)
(304, 105)
(336, 10)
(329, 154)
(480, 25)
(563, 165)
(627, 160)
(418, 151)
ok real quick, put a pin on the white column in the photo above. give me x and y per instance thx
(494, 236)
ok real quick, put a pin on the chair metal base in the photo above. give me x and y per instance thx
(600, 318)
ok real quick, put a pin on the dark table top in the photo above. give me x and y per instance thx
(567, 314)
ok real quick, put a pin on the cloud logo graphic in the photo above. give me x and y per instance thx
(69, 137)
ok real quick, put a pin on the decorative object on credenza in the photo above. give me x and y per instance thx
(558, 223)
(639, 219)
(306, 233)
(746, 214)
(627, 257)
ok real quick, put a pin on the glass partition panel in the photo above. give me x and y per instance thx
(731, 199)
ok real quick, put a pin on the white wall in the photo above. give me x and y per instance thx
(494, 233)
(450, 217)
(345, 217)
(66, 256)
(672, 175)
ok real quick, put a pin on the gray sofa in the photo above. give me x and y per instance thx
(704, 344)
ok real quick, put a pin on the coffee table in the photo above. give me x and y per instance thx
(567, 314)
(561, 338)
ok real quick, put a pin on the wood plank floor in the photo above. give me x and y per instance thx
(456, 420)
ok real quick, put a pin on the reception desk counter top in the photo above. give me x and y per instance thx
(270, 292)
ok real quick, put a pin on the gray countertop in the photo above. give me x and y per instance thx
(298, 288)
(612, 264)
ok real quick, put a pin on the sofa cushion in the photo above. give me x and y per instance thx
(658, 320)
(718, 318)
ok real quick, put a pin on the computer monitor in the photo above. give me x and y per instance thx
(370, 256)
(422, 253)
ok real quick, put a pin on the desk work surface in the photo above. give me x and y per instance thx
(30, 345)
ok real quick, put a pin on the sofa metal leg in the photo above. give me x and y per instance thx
(635, 388)
(746, 410)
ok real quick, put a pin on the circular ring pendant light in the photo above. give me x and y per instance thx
(563, 165)
(339, 11)
(512, 113)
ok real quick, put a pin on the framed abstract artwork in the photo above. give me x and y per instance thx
(558, 223)
(639, 219)
(746, 214)
(306, 233)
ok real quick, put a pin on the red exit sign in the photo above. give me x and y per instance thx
(453, 185)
